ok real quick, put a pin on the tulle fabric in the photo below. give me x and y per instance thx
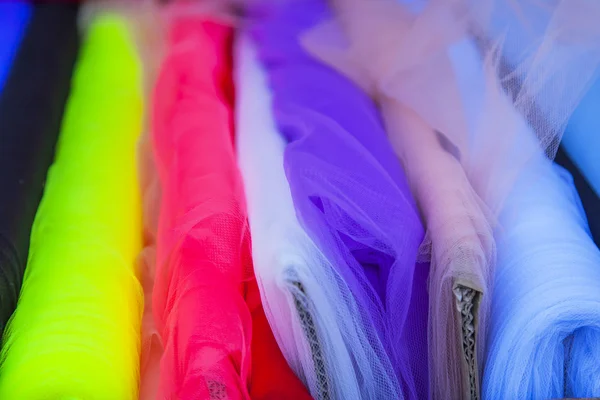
(75, 333)
(544, 310)
(550, 56)
(545, 326)
(460, 170)
(206, 305)
(423, 127)
(306, 302)
(352, 199)
(202, 246)
(541, 234)
(524, 25)
(18, 203)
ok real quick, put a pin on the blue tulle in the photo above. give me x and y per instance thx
(544, 333)
(545, 330)
(581, 140)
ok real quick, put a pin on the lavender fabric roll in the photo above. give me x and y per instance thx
(351, 197)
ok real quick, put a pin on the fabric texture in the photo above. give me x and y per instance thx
(206, 304)
(254, 152)
(399, 57)
(538, 339)
(308, 314)
(545, 327)
(352, 199)
(461, 170)
(31, 108)
(76, 331)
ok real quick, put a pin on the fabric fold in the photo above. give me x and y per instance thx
(545, 326)
(461, 170)
(31, 108)
(539, 316)
(305, 300)
(202, 247)
(581, 141)
(352, 199)
(76, 330)
(205, 302)
(399, 58)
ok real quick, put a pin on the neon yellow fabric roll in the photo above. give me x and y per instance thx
(76, 331)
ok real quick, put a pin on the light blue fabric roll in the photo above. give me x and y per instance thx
(545, 331)
(543, 339)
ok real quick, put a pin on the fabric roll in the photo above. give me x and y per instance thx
(397, 53)
(309, 316)
(206, 304)
(461, 170)
(543, 79)
(545, 327)
(352, 199)
(76, 330)
(202, 246)
(544, 309)
(14, 16)
(31, 107)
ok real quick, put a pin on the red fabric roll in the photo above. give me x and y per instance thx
(206, 306)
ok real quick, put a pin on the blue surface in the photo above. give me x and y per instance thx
(14, 16)
(581, 140)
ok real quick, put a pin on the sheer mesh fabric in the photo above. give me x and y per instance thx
(544, 339)
(205, 302)
(351, 197)
(528, 24)
(539, 229)
(76, 330)
(202, 245)
(422, 128)
(460, 170)
(544, 310)
(306, 301)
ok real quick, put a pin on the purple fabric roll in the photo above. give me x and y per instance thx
(349, 190)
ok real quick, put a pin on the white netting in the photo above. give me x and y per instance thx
(311, 311)
(423, 65)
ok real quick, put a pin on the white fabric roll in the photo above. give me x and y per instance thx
(311, 311)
